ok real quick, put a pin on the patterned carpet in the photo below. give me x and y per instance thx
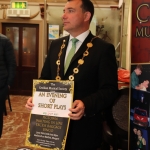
(15, 124)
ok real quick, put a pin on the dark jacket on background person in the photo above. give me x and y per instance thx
(7, 61)
(7, 72)
(95, 84)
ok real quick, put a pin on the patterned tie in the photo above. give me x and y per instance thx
(71, 53)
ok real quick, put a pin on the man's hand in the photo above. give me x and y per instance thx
(139, 87)
(77, 110)
(29, 104)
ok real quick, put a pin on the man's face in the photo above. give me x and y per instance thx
(145, 83)
(138, 71)
(138, 132)
(135, 131)
(73, 17)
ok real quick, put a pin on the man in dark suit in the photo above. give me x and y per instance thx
(93, 69)
(7, 72)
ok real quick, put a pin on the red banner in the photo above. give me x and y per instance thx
(140, 48)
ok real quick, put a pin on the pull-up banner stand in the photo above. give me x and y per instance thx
(140, 76)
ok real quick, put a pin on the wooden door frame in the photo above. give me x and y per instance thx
(41, 52)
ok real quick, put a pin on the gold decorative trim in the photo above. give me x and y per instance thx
(4, 7)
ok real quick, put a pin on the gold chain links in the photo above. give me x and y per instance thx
(80, 61)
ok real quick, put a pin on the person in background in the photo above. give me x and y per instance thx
(144, 85)
(7, 72)
(135, 85)
(93, 69)
(141, 142)
(134, 77)
(133, 139)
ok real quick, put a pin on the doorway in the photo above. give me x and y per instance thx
(25, 39)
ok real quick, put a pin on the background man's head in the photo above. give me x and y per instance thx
(146, 83)
(138, 70)
(135, 130)
(139, 132)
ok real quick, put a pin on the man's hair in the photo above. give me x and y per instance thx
(139, 67)
(87, 5)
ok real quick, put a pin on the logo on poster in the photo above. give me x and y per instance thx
(142, 20)
(143, 31)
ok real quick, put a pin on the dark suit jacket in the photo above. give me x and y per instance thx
(95, 84)
(7, 72)
(7, 62)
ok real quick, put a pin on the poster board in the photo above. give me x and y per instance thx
(49, 120)
(53, 32)
(140, 58)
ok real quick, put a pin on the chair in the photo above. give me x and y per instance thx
(7, 98)
(114, 134)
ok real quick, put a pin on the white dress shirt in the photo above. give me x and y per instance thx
(81, 39)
